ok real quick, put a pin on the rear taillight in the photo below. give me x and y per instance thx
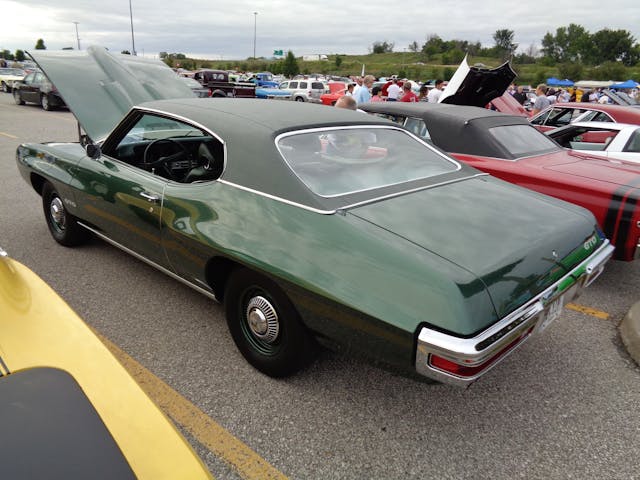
(461, 370)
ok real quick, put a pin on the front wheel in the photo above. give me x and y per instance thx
(5, 87)
(63, 226)
(17, 98)
(265, 325)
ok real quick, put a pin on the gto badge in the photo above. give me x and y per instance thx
(591, 242)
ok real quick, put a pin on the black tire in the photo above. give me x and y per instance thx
(17, 98)
(299, 99)
(45, 101)
(63, 226)
(265, 325)
(5, 87)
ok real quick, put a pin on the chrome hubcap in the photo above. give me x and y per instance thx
(57, 213)
(262, 319)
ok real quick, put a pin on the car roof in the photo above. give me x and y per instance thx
(604, 125)
(454, 128)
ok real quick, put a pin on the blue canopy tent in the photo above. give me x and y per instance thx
(623, 85)
(554, 82)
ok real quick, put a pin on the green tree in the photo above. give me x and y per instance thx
(338, 61)
(6, 54)
(433, 46)
(569, 44)
(290, 66)
(125, 52)
(504, 43)
(40, 45)
(613, 46)
(382, 47)
(19, 55)
(414, 47)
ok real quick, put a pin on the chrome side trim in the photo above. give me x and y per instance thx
(512, 330)
(197, 288)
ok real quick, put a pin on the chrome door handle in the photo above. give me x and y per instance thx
(151, 197)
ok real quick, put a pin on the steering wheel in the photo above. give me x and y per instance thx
(163, 163)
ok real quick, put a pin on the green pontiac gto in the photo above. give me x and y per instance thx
(311, 224)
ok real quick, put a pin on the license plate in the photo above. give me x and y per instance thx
(553, 311)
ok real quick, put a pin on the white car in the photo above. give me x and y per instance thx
(9, 75)
(305, 90)
(607, 139)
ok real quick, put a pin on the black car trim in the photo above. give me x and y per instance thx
(622, 204)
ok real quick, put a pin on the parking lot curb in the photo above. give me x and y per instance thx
(630, 331)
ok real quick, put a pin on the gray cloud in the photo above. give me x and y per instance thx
(227, 30)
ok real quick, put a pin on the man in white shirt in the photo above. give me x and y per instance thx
(393, 91)
(434, 95)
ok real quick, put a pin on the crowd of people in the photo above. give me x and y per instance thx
(393, 90)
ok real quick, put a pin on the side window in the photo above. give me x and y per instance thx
(559, 118)
(418, 128)
(303, 84)
(601, 117)
(541, 119)
(171, 149)
(317, 86)
(633, 145)
(29, 78)
(284, 85)
(293, 85)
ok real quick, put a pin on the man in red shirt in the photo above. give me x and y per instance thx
(408, 96)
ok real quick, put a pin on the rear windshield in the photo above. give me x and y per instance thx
(523, 140)
(340, 161)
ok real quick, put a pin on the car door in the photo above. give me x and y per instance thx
(29, 90)
(121, 192)
(123, 203)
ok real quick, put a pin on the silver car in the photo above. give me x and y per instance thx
(305, 90)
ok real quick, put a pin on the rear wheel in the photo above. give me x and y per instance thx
(17, 98)
(63, 226)
(265, 325)
(299, 99)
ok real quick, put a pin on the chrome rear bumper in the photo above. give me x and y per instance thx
(461, 361)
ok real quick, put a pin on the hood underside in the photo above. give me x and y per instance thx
(477, 86)
(100, 87)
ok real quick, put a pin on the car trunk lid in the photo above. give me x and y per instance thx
(516, 241)
(598, 169)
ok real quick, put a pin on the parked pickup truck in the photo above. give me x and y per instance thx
(263, 79)
(221, 84)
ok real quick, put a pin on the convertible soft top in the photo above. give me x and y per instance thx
(455, 128)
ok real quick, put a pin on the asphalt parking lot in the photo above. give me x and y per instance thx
(564, 406)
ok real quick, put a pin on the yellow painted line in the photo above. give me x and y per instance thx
(247, 463)
(588, 311)
(8, 135)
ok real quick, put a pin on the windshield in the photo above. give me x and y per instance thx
(340, 161)
(523, 140)
(153, 127)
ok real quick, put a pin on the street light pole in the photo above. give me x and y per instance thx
(255, 21)
(133, 42)
(77, 36)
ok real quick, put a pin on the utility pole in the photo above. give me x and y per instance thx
(133, 42)
(77, 36)
(255, 22)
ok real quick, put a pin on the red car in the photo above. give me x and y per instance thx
(508, 147)
(336, 90)
(561, 114)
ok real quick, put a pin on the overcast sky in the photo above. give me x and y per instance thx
(225, 29)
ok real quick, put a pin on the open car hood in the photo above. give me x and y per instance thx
(477, 86)
(100, 87)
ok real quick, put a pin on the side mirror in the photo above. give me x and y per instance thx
(93, 151)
